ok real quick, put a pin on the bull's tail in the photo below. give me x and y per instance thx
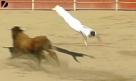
(73, 54)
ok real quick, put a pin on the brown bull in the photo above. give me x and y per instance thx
(23, 44)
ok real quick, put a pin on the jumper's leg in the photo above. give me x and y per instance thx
(85, 39)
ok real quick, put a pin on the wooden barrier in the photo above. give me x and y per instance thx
(127, 4)
(72, 4)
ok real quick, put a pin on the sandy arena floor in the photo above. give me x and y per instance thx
(115, 55)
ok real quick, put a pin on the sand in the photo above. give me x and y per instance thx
(115, 55)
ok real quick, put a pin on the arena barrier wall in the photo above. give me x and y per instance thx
(71, 4)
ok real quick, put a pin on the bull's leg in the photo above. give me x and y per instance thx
(38, 57)
(53, 55)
